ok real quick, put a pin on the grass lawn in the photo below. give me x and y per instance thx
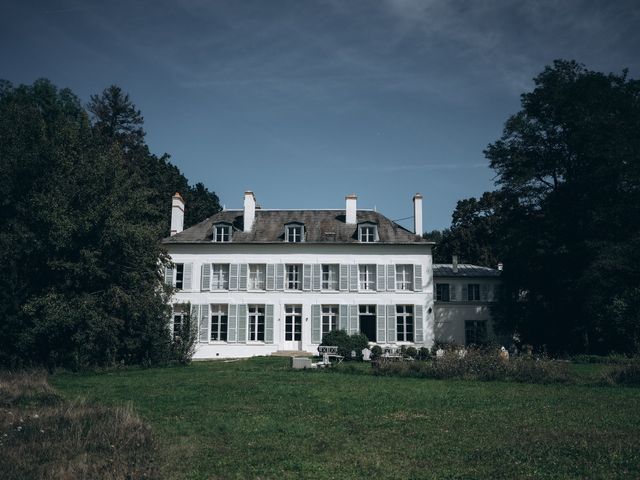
(258, 419)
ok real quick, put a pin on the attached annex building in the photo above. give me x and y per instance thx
(261, 281)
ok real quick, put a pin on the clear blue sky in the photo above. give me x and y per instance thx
(306, 101)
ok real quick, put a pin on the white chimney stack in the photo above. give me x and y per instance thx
(454, 263)
(249, 210)
(177, 214)
(417, 214)
(351, 208)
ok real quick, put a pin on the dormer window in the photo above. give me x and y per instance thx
(294, 233)
(222, 232)
(367, 233)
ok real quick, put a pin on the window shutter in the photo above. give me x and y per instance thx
(242, 278)
(391, 278)
(188, 276)
(465, 292)
(268, 324)
(381, 324)
(344, 278)
(205, 278)
(270, 281)
(344, 318)
(353, 278)
(418, 322)
(306, 277)
(453, 293)
(168, 276)
(354, 324)
(316, 329)
(204, 323)
(233, 276)
(232, 332)
(484, 292)
(391, 324)
(317, 276)
(280, 276)
(381, 284)
(242, 323)
(417, 278)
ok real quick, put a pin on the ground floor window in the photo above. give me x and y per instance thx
(178, 318)
(475, 332)
(293, 323)
(256, 323)
(329, 318)
(219, 323)
(404, 323)
(368, 321)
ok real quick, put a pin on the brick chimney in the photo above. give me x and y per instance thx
(417, 214)
(249, 210)
(351, 209)
(177, 214)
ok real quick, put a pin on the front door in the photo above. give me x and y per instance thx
(293, 327)
(368, 321)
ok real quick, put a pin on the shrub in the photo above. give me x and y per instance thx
(376, 351)
(183, 345)
(611, 359)
(411, 352)
(424, 353)
(628, 374)
(346, 343)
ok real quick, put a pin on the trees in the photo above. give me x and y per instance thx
(117, 119)
(568, 168)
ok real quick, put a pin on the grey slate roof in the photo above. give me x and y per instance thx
(464, 270)
(321, 226)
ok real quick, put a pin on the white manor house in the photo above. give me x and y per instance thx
(261, 281)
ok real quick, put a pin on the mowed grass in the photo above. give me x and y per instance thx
(258, 419)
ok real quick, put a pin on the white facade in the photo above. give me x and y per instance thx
(385, 297)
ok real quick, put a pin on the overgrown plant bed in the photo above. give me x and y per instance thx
(42, 436)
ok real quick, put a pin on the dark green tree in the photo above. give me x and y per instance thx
(568, 168)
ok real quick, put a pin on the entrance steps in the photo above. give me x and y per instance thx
(292, 353)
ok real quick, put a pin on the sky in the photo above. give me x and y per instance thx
(304, 102)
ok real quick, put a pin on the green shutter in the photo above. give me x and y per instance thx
(242, 278)
(344, 318)
(417, 278)
(205, 277)
(188, 276)
(317, 276)
(354, 323)
(268, 324)
(391, 278)
(280, 276)
(381, 324)
(353, 278)
(418, 322)
(381, 283)
(232, 331)
(306, 277)
(242, 323)
(316, 324)
(204, 324)
(270, 283)
(168, 276)
(233, 276)
(344, 278)
(391, 324)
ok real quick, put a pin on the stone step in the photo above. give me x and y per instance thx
(292, 353)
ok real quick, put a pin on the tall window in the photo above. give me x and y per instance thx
(220, 276)
(294, 233)
(329, 318)
(222, 233)
(179, 276)
(219, 322)
(367, 233)
(367, 277)
(475, 332)
(442, 292)
(367, 319)
(404, 323)
(404, 277)
(292, 323)
(329, 277)
(178, 318)
(473, 292)
(256, 323)
(257, 274)
(294, 277)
